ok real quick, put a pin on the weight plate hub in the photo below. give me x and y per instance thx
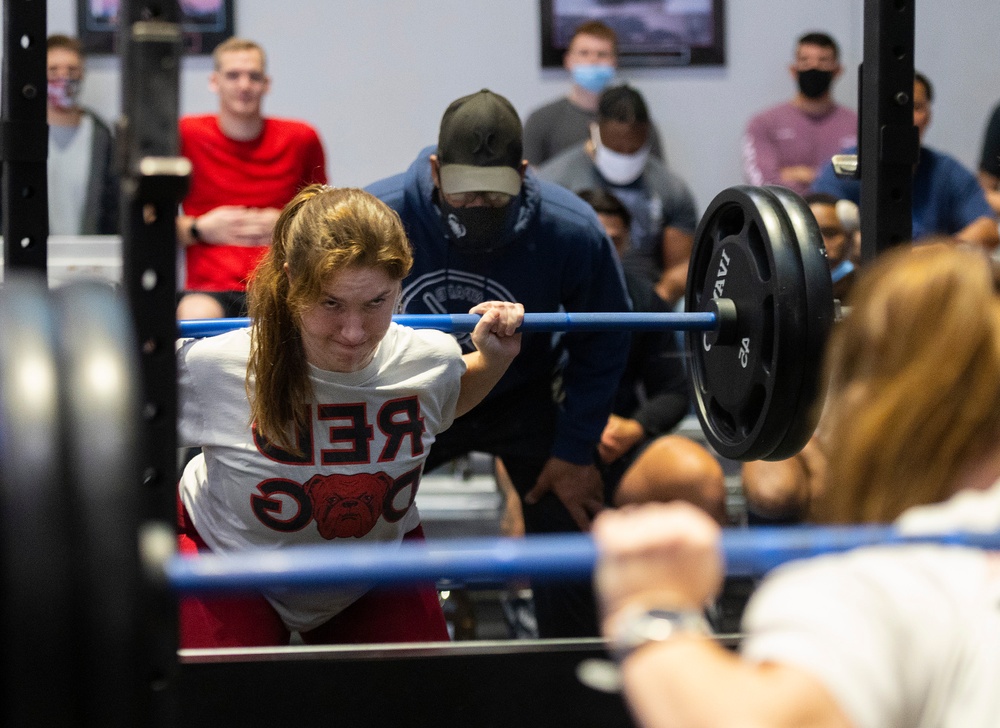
(749, 392)
(735, 271)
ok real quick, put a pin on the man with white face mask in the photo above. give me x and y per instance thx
(618, 158)
(591, 59)
(83, 192)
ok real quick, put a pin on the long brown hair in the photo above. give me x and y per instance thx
(322, 231)
(914, 383)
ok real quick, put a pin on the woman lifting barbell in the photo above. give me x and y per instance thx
(315, 421)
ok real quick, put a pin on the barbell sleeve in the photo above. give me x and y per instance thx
(746, 552)
(466, 322)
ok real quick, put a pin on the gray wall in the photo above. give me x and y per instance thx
(374, 76)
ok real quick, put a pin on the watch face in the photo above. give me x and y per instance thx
(658, 625)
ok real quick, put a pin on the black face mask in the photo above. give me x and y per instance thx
(814, 82)
(479, 229)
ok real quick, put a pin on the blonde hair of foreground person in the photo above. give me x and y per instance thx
(321, 232)
(913, 405)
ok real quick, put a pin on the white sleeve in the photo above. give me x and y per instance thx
(968, 510)
(829, 622)
(190, 416)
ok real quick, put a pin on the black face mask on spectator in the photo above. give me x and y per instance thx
(814, 82)
(479, 229)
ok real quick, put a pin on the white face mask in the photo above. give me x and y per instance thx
(616, 168)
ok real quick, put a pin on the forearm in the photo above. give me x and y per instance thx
(675, 252)
(677, 247)
(989, 182)
(982, 231)
(760, 159)
(993, 197)
(691, 681)
(797, 174)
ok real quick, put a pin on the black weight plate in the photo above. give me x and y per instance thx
(38, 615)
(819, 316)
(101, 402)
(744, 392)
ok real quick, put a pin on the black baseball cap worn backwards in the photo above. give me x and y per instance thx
(479, 145)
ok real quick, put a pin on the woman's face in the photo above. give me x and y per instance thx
(341, 331)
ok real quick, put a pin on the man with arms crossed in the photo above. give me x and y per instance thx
(786, 144)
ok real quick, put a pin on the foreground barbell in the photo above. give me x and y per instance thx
(746, 552)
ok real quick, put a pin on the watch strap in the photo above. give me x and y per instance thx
(654, 625)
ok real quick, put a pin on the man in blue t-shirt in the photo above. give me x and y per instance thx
(947, 198)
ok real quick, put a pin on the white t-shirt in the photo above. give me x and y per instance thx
(900, 636)
(70, 149)
(372, 431)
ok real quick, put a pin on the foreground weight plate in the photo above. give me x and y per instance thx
(746, 392)
(819, 316)
(37, 622)
(100, 391)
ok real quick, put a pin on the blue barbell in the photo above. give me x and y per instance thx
(466, 322)
(746, 552)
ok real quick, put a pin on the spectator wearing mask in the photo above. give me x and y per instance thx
(484, 226)
(788, 143)
(591, 59)
(617, 157)
(83, 189)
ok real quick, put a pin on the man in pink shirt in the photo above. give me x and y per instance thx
(788, 143)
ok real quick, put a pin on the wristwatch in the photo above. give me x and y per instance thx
(654, 625)
(193, 230)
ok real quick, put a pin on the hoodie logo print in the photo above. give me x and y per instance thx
(451, 291)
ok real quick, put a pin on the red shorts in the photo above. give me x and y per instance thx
(381, 615)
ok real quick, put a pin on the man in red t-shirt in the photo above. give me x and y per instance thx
(245, 169)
